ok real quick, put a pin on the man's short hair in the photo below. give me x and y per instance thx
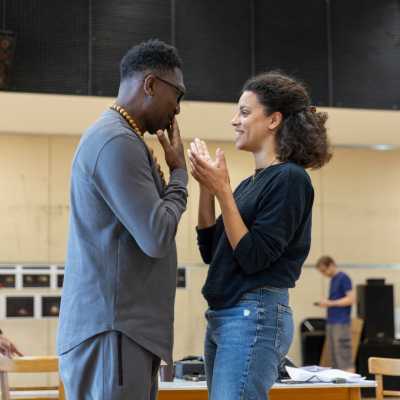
(152, 54)
(325, 261)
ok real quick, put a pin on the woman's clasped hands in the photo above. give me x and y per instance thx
(211, 174)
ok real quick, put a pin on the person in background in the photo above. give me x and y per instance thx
(7, 348)
(257, 247)
(338, 305)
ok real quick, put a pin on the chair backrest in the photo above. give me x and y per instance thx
(29, 365)
(384, 366)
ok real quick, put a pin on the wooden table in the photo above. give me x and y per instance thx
(183, 390)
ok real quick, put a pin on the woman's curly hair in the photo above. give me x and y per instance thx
(302, 137)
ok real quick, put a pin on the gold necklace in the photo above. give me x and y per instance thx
(139, 133)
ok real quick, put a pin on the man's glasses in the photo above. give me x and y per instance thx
(180, 92)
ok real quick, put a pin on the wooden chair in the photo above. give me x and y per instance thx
(356, 330)
(29, 365)
(384, 366)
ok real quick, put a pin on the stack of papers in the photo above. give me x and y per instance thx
(320, 374)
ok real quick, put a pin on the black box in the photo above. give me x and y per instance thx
(19, 307)
(35, 280)
(375, 348)
(189, 367)
(7, 281)
(60, 280)
(51, 306)
(312, 338)
(375, 306)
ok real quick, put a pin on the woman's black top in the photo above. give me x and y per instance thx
(276, 207)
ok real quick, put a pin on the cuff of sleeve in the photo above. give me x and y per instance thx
(242, 250)
(205, 235)
(179, 175)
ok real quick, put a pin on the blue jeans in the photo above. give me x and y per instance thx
(244, 345)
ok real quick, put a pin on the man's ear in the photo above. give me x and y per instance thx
(148, 85)
(275, 120)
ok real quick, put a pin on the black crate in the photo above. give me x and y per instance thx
(181, 278)
(51, 306)
(20, 307)
(60, 280)
(7, 281)
(36, 280)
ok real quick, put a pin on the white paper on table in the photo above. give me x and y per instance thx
(325, 375)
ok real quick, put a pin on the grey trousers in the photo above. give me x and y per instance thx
(109, 366)
(339, 340)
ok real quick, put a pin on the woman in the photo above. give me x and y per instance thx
(257, 247)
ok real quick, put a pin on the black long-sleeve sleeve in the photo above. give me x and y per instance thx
(205, 239)
(122, 171)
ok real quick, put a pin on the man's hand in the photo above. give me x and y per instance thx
(7, 348)
(173, 148)
(324, 303)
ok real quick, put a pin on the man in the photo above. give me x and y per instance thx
(338, 327)
(116, 319)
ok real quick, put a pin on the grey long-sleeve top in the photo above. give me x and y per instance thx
(121, 259)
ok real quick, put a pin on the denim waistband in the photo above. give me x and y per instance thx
(268, 294)
(273, 289)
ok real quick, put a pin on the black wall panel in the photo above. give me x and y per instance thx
(292, 36)
(214, 41)
(117, 26)
(351, 59)
(51, 47)
(366, 53)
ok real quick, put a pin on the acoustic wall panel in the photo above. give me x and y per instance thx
(7, 47)
(117, 26)
(346, 52)
(292, 36)
(366, 53)
(214, 40)
(51, 45)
